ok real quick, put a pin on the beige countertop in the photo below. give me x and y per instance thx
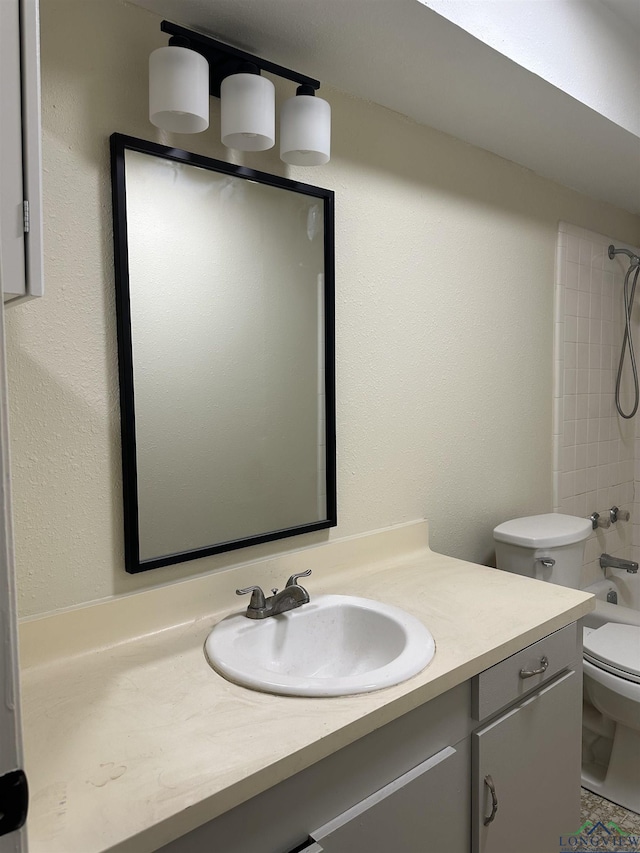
(132, 740)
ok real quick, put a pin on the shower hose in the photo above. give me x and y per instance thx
(628, 341)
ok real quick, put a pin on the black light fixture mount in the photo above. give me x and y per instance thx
(225, 60)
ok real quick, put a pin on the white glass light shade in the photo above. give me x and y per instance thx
(305, 131)
(247, 112)
(178, 90)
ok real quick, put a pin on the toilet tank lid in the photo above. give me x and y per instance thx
(543, 531)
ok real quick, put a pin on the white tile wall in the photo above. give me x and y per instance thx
(635, 535)
(596, 452)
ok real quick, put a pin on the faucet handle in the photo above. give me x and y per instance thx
(599, 521)
(293, 580)
(257, 596)
(617, 514)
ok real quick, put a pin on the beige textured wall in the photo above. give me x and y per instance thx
(445, 269)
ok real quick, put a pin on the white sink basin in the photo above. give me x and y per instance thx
(333, 646)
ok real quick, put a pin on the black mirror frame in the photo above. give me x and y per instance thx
(119, 144)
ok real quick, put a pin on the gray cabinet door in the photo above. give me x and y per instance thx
(423, 811)
(532, 755)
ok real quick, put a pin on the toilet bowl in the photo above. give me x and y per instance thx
(550, 547)
(612, 687)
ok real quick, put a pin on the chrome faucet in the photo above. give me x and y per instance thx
(293, 595)
(607, 561)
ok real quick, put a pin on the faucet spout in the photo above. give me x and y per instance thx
(607, 561)
(287, 599)
(292, 596)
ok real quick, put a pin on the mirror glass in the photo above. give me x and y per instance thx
(226, 328)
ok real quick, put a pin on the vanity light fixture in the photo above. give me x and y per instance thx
(248, 111)
(305, 129)
(194, 67)
(178, 89)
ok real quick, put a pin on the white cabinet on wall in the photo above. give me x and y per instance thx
(21, 263)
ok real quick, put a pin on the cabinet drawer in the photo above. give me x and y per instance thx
(507, 681)
(420, 811)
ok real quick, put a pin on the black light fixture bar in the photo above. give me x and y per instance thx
(225, 60)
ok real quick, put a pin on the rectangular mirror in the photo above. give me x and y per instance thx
(225, 305)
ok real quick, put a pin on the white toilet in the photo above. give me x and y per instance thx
(550, 547)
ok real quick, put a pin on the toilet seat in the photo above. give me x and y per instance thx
(614, 648)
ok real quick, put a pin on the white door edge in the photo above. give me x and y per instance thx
(11, 754)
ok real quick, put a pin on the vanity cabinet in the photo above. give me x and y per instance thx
(416, 784)
(404, 787)
(529, 756)
(526, 760)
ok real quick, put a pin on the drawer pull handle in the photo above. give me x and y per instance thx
(527, 673)
(488, 781)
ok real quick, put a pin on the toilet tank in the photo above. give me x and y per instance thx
(527, 546)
